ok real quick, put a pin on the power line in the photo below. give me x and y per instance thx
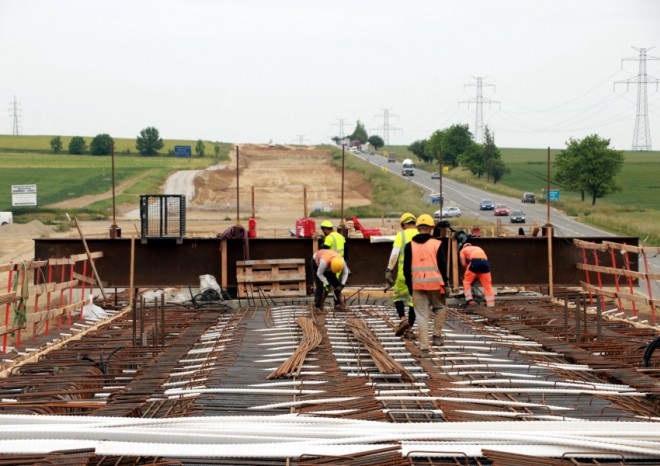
(386, 128)
(479, 100)
(14, 110)
(341, 123)
(642, 132)
(300, 140)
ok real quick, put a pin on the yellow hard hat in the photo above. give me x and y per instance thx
(337, 264)
(407, 218)
(327, 224)
(425, 220)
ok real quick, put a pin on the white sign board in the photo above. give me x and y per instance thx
(23, 195)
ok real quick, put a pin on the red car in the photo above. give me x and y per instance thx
(501, 211)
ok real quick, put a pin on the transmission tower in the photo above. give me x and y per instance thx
(300, 140)
(341, 123)
(642, 133)
(479, 100)
(15, 110)
(386, 128)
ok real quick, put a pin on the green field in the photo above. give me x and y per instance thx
(29, 160)
(632, 211)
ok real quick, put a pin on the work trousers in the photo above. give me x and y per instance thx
(400, 295)
(427, 303)
(479, 269)
(319, 291)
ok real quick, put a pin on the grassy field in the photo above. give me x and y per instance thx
(632, 211)
(41, 144)
(62, 176)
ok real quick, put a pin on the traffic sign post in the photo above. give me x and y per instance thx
(183, 151)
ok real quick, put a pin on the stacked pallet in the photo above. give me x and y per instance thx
(281, 278)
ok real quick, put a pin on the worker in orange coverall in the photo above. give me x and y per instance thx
(476, 265)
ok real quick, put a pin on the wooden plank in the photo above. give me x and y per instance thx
(264, 277)
(73, 259)
(7, 297)
(271, 262)
(589, 245)
(31, 265)
(612, 271)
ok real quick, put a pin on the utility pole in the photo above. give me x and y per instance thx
(14, 110)
(341, 123)
(642, 133)
(386, 128)
(479, 100)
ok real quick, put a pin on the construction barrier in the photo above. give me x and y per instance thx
(625, 279)
(29, 283)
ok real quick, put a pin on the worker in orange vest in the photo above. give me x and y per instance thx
(327, 265)
(424, 268)
(476, 265)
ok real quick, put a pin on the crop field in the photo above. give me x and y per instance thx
(60, 177)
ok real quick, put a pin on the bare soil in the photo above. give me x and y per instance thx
(273, 184)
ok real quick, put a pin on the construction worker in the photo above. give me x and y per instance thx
(326, 266)
(333, 240)
(476, 265)
(424, 268)
(400, 294)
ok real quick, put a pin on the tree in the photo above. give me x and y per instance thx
(77, 145)
(336, 140)
(454, 141)
(199, 148)
(495, 167)
(101, 145)
(590, 165)
(473, 159)
(418, 148)
(360, 133)
(56, 144)
(376, 141)
(149, 141)
(216, 149)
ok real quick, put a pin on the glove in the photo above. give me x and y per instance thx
(327, 287)
(388, 278)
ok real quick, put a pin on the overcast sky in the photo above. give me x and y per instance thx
(292, 70)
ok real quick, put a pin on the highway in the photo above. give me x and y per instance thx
(468, 199)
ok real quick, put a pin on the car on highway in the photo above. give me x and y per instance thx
(486, 204)
(529, 198)
(501, 211)
(448, 212)
(517, 216)
(435, 175)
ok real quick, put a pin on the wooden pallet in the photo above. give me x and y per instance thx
(280, 278)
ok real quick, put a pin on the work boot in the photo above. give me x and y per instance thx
(438, 340)
(318, 310)
(403, 326)
(410, 335)
(424, 353)
(472, 302)
(340, 308)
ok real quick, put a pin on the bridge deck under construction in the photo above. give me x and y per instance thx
(528, 381)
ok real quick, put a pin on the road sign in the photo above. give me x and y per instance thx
(553, 194)
(182, 151)
(23, 195)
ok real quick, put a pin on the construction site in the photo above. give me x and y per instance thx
(201, 346)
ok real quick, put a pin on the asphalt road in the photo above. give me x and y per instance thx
(468, 199)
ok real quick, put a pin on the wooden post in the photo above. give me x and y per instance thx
(131, 289)
(223, 263)
(89, 258)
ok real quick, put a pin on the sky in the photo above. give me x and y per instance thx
(301, 71)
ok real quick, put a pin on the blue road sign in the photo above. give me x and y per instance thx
(182, 151)
(553, 194)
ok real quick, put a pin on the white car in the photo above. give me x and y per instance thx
(448, 212)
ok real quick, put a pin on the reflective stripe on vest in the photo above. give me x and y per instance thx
(326, 255)
(338, 242)
(424, 270)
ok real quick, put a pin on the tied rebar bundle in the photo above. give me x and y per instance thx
(311, 339)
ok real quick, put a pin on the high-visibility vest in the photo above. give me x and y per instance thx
(336, 242)
(472, 252)
(404, 238)
(326, 255)
(424, 267)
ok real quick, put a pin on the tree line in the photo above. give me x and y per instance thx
(588, 166)
(148, 143)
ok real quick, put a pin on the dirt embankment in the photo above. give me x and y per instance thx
(278, 174)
